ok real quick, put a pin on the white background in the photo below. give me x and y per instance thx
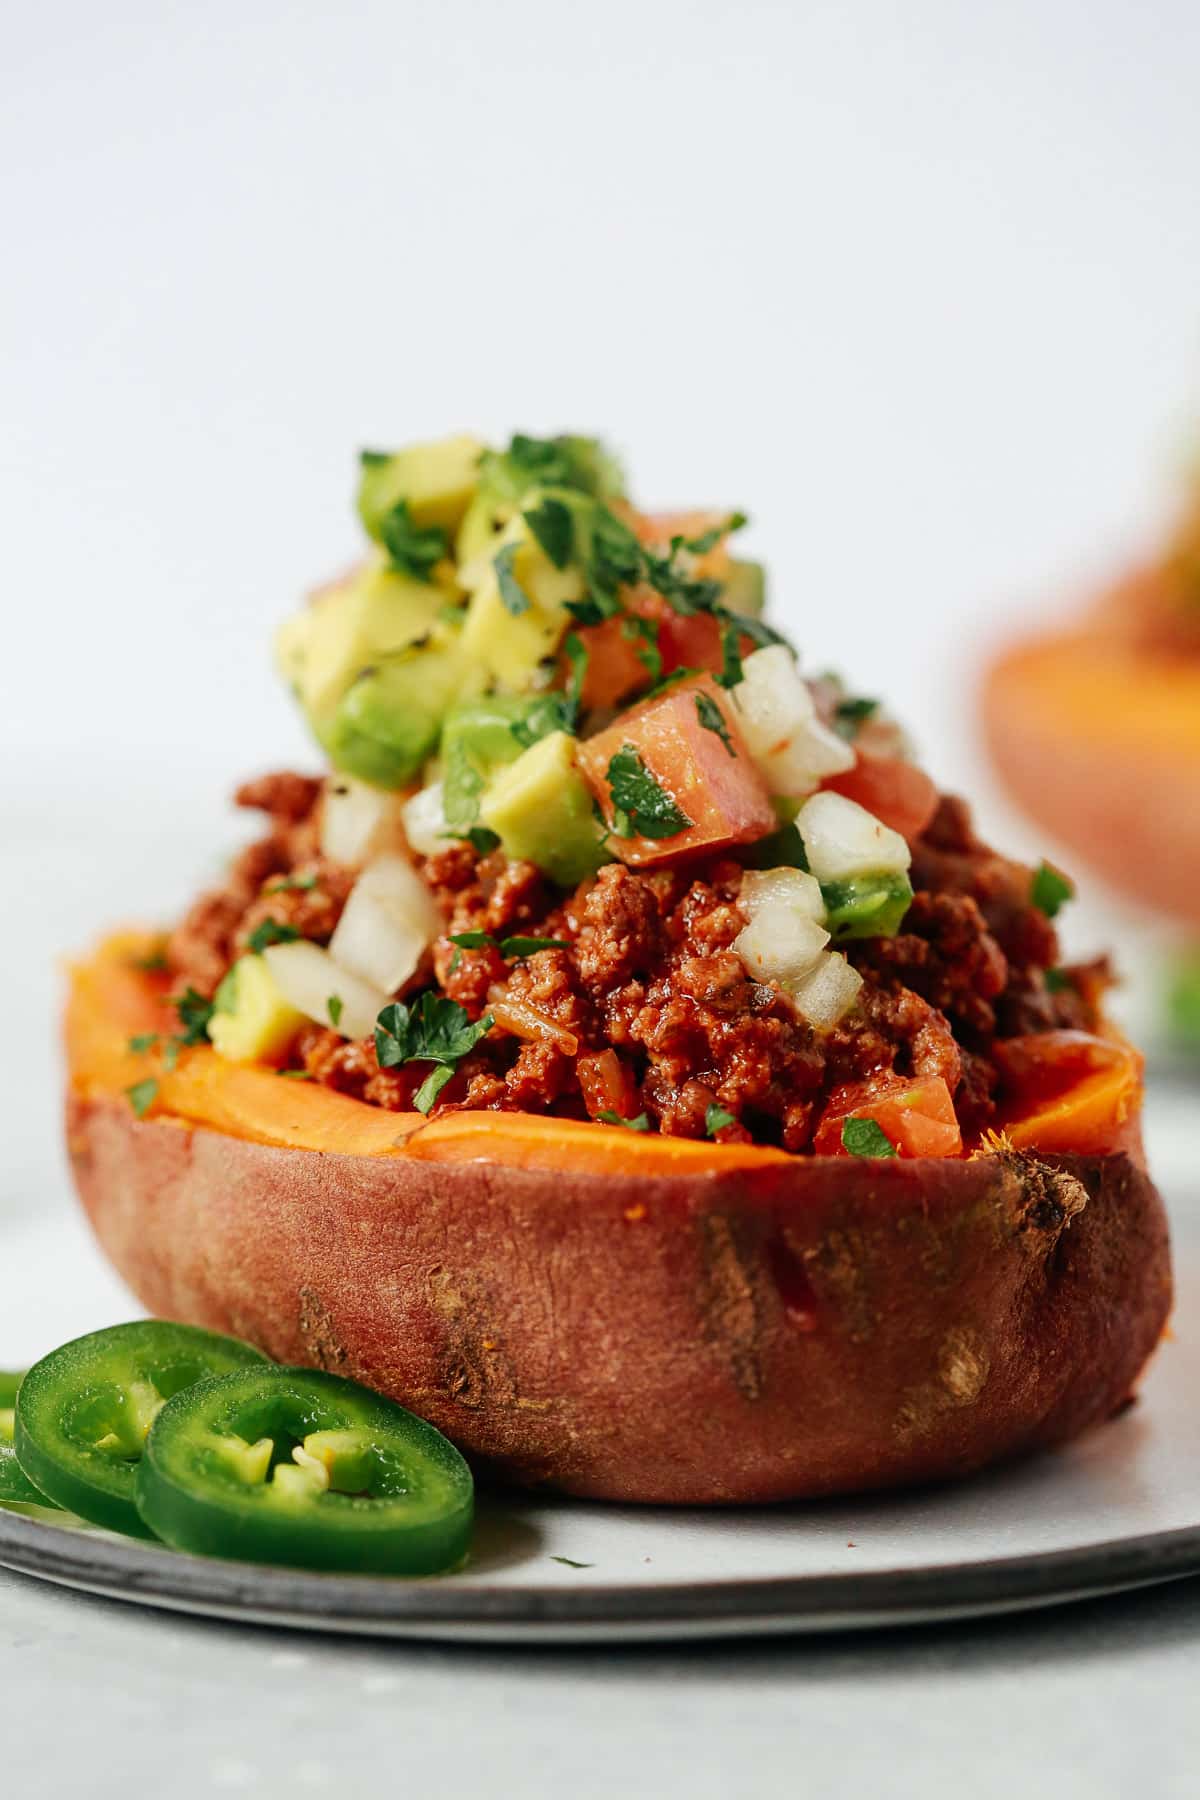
(918, 285)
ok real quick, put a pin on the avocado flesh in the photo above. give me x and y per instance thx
(508, 481)
(483, 736)
(745, 588)
(511, 646)
(437, 480)
(252, 1022)
(390, 718)
(376, 612)
(541, 810)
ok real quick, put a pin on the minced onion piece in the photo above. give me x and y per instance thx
(784, 935)
(388, 923)
(841, 839)
(825, 995)
(424, 818)
(309, 978)
(778, 719)
(358, 821)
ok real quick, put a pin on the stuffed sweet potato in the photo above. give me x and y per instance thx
(624, 1057)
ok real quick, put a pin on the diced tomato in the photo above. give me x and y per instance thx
(607, 1085)
(713, 783)
(916, 1117)
(1045, 1064)
(894, 790)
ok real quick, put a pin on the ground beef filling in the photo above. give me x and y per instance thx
(648, 1010)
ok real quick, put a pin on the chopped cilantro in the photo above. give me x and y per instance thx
(454, 962)
(615, 559)
(863, 1137)
(634, 627)
(514, 947)
(553, 527)
(731, 656)
(708, 540)
(851, 715)
(294, 884)
(414, 549)
(374, 459)
(268, 932)
(713, 719)
(716, 1119)
(569, 1562)
(1049, 891)
(145, 1040)
(434, 1030)
(142, 1096)
(547, 714)
(154, 963)
(639, 802)
(473, 940)
(194, 1014)
(670, 681)
(333, 1007)
(481, 840)
(608, 1117)
(295, 1074)
(171, 1053)
(516, 600)
(1058, 981)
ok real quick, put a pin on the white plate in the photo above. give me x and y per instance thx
(1118, 1509)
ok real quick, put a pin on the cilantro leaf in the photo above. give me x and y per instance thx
(171, 1053)
(292, 884)
(516, 600)
(142, 1096)
(608, 1117)
(414, 549)
(713, 719)
(615, 559)
(434, 1030)
(1058, 981)
(481, 840)
(716, 1119)
(511, 948)
(1049, 890)
(863, 1137)
(731, 653)
(145, 1040)
(545, 715)
(268, 932)
(708, 540)
(295, 1074)
(648, 653)
(473, 940)
(153, 964)
(851, 715)
(554, 528)
(333, 1007)
(639, 801)
(569, 1562)
(374, 459)
(194, 1014)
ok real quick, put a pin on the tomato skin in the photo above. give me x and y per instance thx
(718, 788)
(917, 1117)
(894, 790)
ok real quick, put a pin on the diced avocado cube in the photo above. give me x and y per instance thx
(517, 613)
(253, 1022)
(482, 736)
(866, 905)
(745, 588)
(390, 718)
(577, 465)
(375, 612)
(437, 480)
(541, 810)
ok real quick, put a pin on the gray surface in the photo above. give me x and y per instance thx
(1096, 1700)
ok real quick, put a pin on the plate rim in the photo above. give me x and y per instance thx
(149, 1575)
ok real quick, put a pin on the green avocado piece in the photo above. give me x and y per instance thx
(507, 477)
(866, 905)
(541, 810)
(437, 480)
(482, 736)
(517, 611)
(745, 588)
(389, 719)
(375, 612)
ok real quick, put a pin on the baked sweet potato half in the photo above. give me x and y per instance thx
(623, 1316)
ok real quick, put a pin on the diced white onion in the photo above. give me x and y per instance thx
(308, 978)
(425, 824)
(826, 994)
(841, 839)
(388, 921)
(358, 821)
(784, 936)
(778, 718)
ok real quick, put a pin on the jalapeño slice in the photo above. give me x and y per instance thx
(83, 1412)
(299, 1467)
(16, 1489)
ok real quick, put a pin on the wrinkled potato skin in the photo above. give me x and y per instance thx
(822, 1328)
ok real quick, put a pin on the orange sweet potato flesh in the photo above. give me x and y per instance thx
(1099, 741)
(616, 1315)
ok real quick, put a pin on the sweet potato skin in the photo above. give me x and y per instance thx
(800, 1328)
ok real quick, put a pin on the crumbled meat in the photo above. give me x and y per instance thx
(648, 997)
